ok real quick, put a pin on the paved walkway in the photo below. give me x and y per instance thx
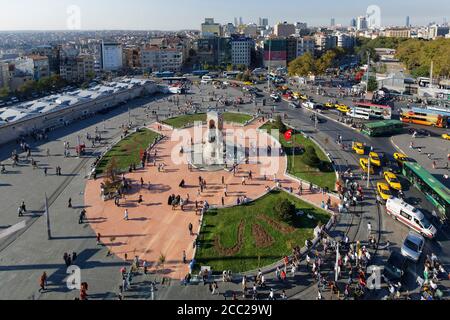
(153, 227)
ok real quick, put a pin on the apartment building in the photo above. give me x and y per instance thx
(155, 58)
(33, 65)
(241, 48)
(78, 69)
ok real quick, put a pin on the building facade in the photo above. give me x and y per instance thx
(284, 29)
(34, 65)
(241, 49)
(78, 69)
(111, 56)
(397, 33)
(275, 53)
(154, 58)
(210, 28)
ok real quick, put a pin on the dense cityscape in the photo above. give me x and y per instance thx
(244, 160)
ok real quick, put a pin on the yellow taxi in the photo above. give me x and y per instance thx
(248, 83)
(359, 148)
(392, 180)
(303, 97)
(364, 163)
(375, 159)
(384, 191)
(446, 136)
(329, 105)
(400, 157)
(343, 108)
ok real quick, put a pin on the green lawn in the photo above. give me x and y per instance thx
(221, 227)
(298, 168)
(127, 151)
(185, 120)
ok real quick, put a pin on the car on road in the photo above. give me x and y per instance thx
(384, 191)
(400, 157)
(395, 268)
(446, 136)
(329, 105)
(413, 246)
(294, 105)
(410, 216)
(364, 163)
(303, 97)
(343, 109)
(375, 159)
(392, 180)
(275, 97)
(359, 148)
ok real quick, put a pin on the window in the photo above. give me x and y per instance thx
(405, 215)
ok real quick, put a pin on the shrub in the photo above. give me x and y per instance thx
(280, 125)
(286, 211)
(310, 158)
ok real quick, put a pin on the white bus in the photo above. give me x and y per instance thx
(410, 216)
(359, 114)
(368, 111)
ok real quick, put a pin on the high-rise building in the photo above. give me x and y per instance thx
(333, 22)
(305, 45)
(236, 22)
(210, 28)
(361, 23)
(353, 23)
(241, 21)
(407, 22)
(325, 41)
(111, 56)
(263, 22)
(345, 41)
(284, 29)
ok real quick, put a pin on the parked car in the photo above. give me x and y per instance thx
(413, 246)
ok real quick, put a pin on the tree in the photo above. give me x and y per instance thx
(302, 66)
(4, 92)
(286, 211)
(325, 62)
(372, 85)
(162, 260)
(279, 124)
(310, 157)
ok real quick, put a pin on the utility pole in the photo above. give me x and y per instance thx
(368, 72)
(368, 174)
(336, 273)
(49, 232)
(270, 64)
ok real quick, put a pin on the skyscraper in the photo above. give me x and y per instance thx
(407, 22)
(353, 23)
(333, 22)
(361, 23)
(241, 22)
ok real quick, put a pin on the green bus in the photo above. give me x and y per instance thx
(382, 128)
(434, 190)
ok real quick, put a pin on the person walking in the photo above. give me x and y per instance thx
(191, 227)
(369, 228)
(125, 216)
(184, 257)
(69, 205)
(43, 282)
(99, 237)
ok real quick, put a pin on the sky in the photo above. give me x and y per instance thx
(189, 14)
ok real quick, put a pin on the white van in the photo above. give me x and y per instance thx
(206, 80)
(309, 105)
(410, 216)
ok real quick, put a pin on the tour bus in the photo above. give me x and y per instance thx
(425, 117)
(367, 111)
(410, 216)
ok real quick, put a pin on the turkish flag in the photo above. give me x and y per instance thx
(288, 135)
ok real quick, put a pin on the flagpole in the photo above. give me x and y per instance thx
(49, 232)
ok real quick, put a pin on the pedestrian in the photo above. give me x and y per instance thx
(125, 216)
(45, 171)
(99, 237)
(369, 228)
(70, 203)
(184, 257)
(43, 282)
(191, 227)
(223, 202)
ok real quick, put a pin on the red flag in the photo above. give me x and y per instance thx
(288, 135)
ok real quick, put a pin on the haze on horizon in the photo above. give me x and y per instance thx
(188, 14)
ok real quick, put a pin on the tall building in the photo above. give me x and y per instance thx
(250, 30)
(332, 22)
(236, 22)
(408, 24)
(111, 56)
(353, 23)
(263, 22)
(241, 49)
(284, 29)
(210, 28)
(325, 41)
(214, 50)
(241, 21)
(132, 57)
(361, 23)
(229, 29)
(53, 54)
(435, 31)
